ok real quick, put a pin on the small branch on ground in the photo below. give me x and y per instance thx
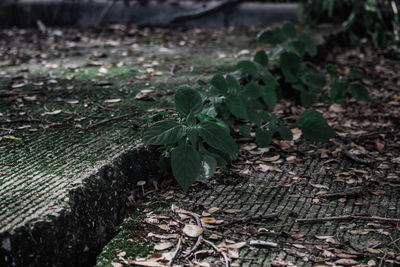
(261, 243)
(227, 264)
(251, 218)
(19, 121)
(194, 248)
(355, 158)
(178, 247)
(348, 217)
(199, 238)
(108, 120)
(353, 192)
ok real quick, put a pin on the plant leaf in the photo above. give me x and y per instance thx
(338, 91)
(188, 100)
(261, 58)
(313, 80)
(272, 36)
(311, 48)
(163, 133)
(186, 164)
(232, 83)
(289, 29)
(298, 46)
(263, 137)
(244, 130)
(359, 92)
(219, 138)
(290, 64)
(314, 127)
(236, 106)
(285, 132)
(270, 98)
(248, 67)
(219, 82)
(307, 98)
(252, 90)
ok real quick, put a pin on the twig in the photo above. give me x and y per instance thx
(262, 243)
(108, 120)
(351, 156)
(227, 264)
(19, 121)
(348, 217)
(251, 218)
(195, 247)
(393, 242)
(383, 260)
(353, 192)
(199, 238)
(178, 247)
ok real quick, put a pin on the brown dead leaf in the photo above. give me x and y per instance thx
(346, 256)
(192, 230)
(270, 159)
(328, 254)
(209, 220)
(163, 246)
(148, 263)
(266, 168)
(297, 236)
(298, 246)
(237, 245)
(116, 264)
(374, 251)
(168, 236)
(232, 211)
(346, 262)
(212, 210)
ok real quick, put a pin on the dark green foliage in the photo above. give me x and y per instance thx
(198, 138)
(359, 92)
(314, 127)
(186, 164)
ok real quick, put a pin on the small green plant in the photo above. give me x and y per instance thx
(353, 81)
(298, 74)
(377, 20)
(193, 142)
(196, 138)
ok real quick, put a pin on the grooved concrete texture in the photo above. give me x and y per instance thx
(212, 14)
(295, 194)
(65, 182)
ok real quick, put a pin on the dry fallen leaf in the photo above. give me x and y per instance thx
(270, 159)
(237, 245)
(167, 236)
(209, 220)
(192, 230)
(346, 262)
(148, 263)
(232, 211)
(163, 246)
(328, 254)
(265, 168)
(298, 246)
(213, 209)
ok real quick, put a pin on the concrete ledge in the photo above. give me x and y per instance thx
(73, 235)
(26, 13)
